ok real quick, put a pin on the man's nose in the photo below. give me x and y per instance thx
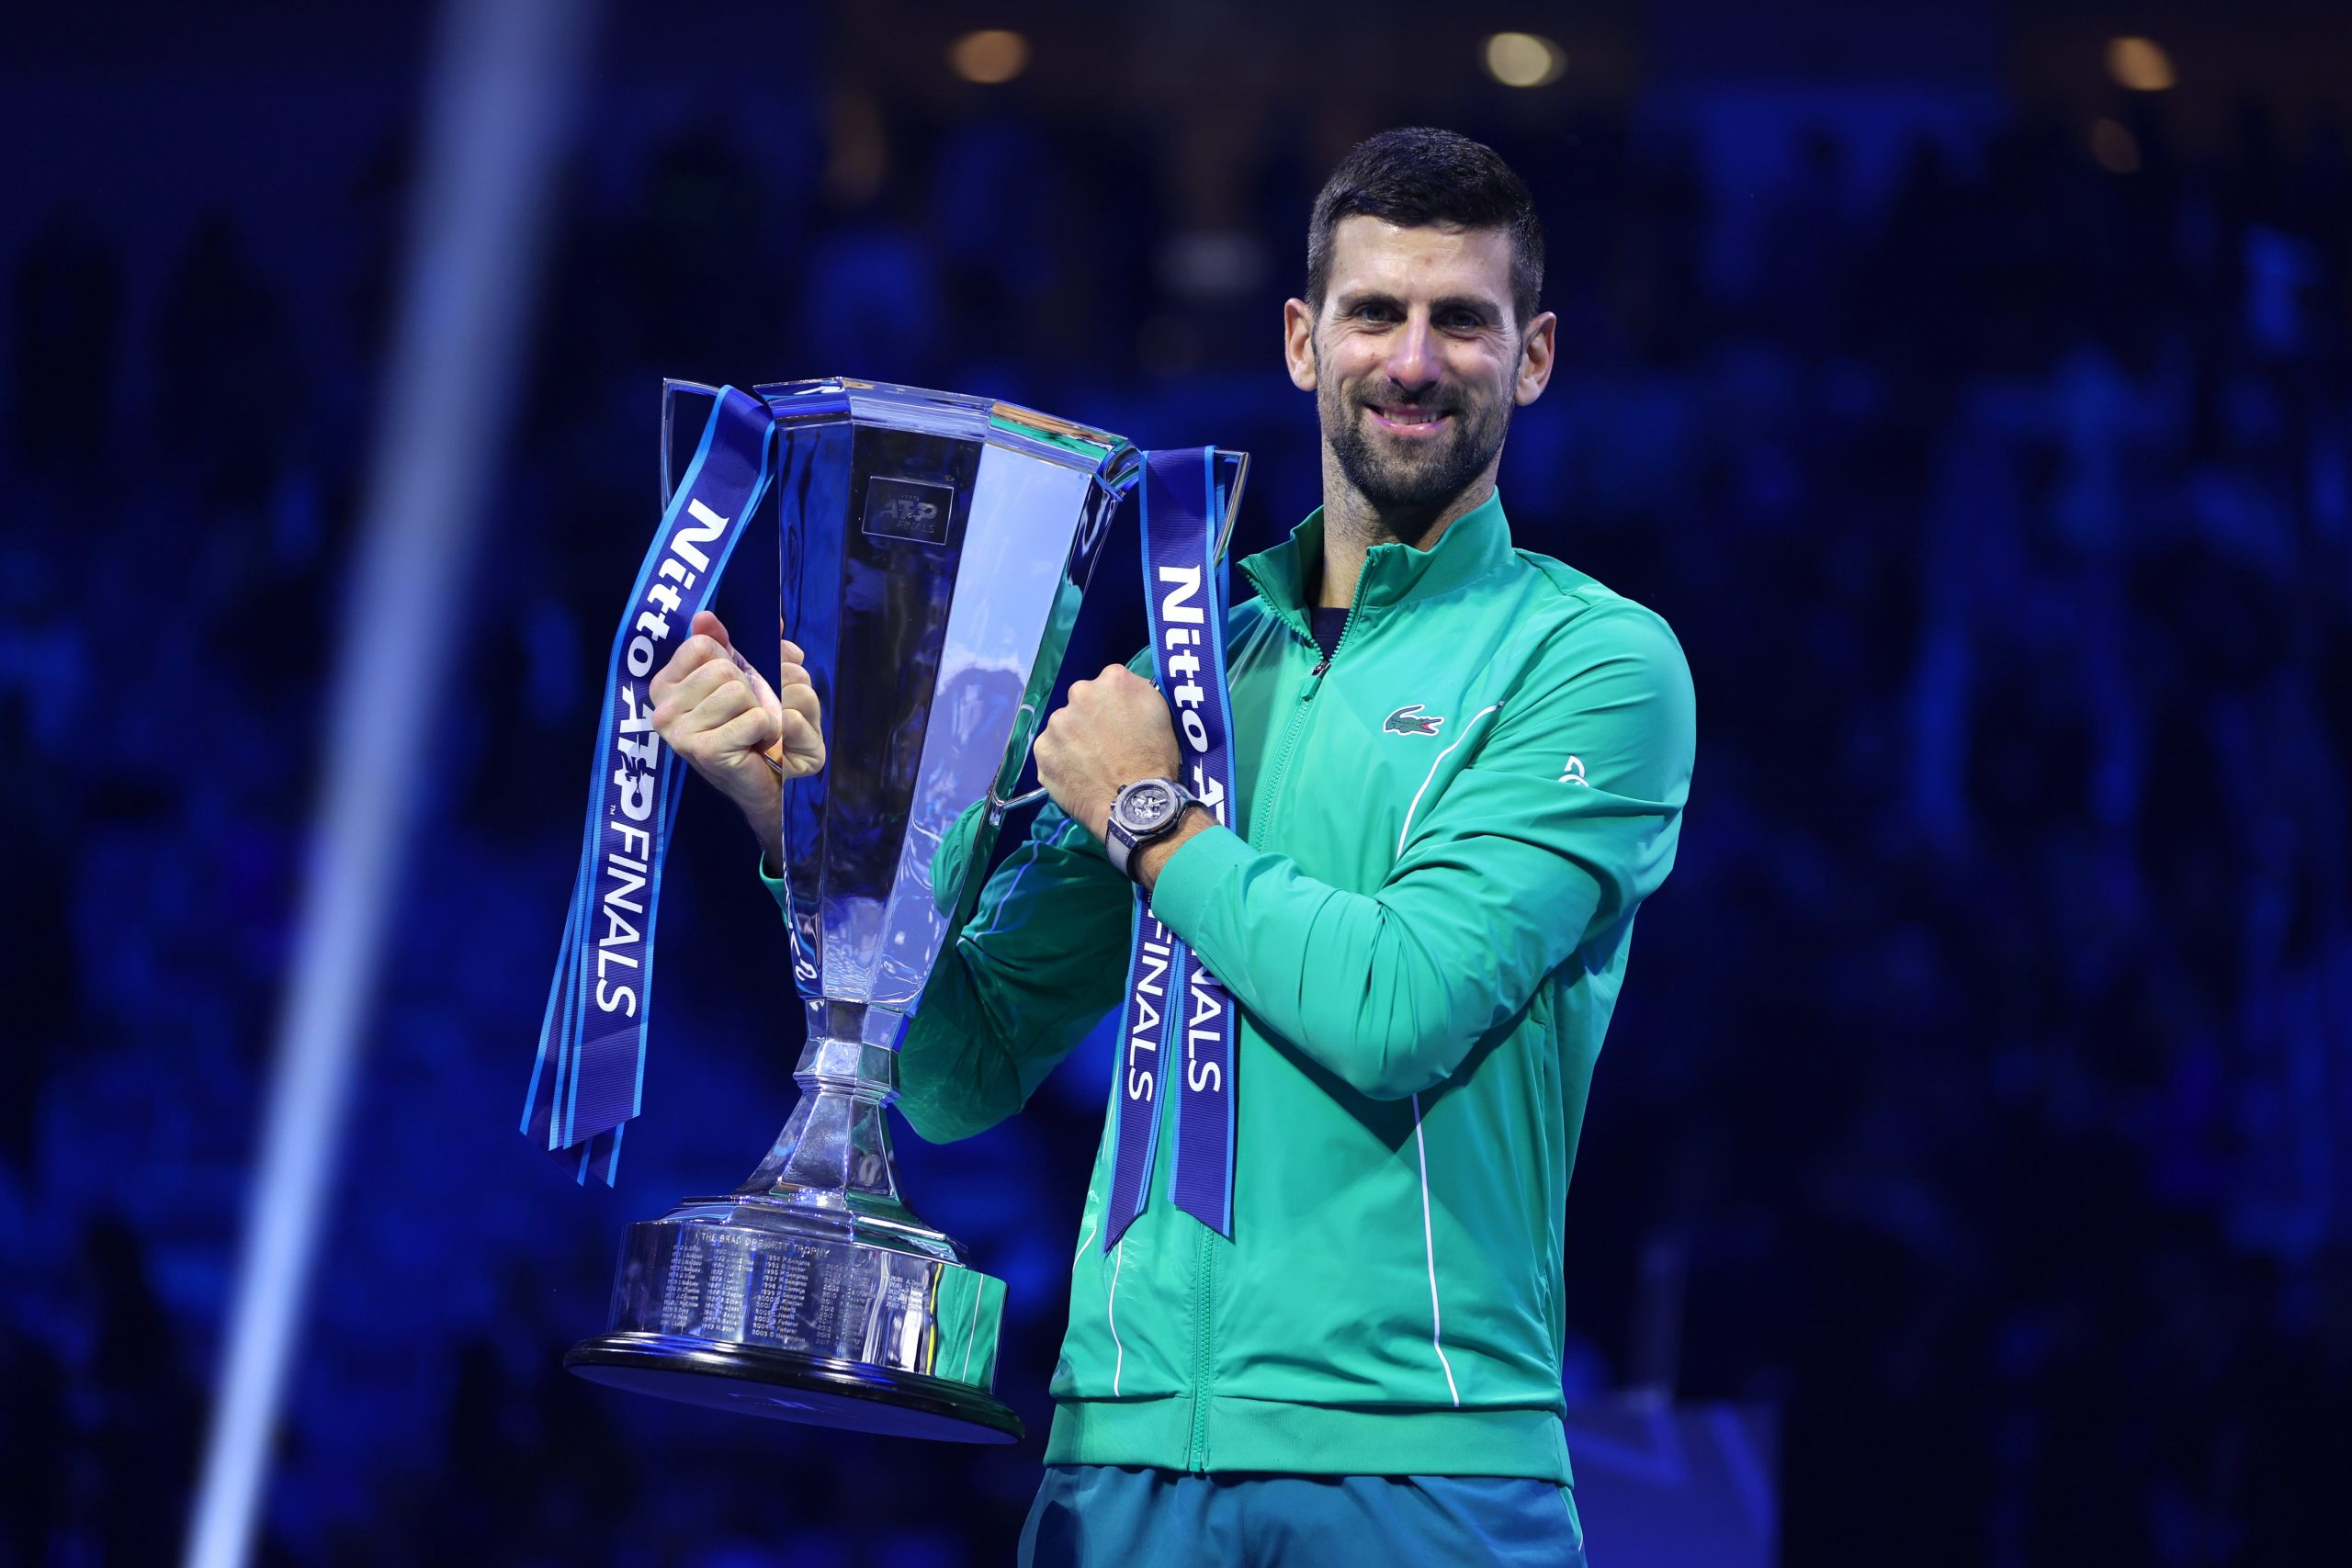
(1413, 354)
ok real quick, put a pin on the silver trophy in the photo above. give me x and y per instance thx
(934, 549)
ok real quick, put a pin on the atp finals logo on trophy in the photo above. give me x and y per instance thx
(935, 550)
(907, 509)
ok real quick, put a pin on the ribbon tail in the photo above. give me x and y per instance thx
(1199, 1179)
(588, 1078)
(542, 1108)
(1154, 962)
(599, 1158)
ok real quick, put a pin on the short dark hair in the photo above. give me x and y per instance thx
(1415, 176)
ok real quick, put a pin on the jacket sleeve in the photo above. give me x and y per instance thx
(1499, 879)
(1039, 963)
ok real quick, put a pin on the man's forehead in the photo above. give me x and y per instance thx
(1373, 253)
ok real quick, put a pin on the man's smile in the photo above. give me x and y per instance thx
(1404, 419)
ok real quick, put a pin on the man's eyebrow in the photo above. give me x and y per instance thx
(1484, 310)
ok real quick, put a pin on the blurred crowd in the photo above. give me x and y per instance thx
(1982, 1071)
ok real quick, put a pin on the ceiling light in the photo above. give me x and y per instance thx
(1523, 60)
(2139, 63)
(989, 56)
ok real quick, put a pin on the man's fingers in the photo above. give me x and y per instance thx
(800, 699)
(691, 686)
(713, 711)
(683, 700)
(754, 729)
(803, 744)
(692, 655)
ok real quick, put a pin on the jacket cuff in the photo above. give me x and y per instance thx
(1188, 883)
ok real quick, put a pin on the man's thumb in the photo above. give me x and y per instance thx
(707, 625)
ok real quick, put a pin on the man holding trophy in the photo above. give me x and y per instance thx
(1456, 771)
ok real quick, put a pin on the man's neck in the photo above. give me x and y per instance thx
(1351, 525)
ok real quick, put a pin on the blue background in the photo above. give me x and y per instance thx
(1980, 1096)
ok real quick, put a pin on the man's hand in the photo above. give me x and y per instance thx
(1113, 730)
(719, 712)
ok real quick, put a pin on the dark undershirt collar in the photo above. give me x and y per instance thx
(1330, 625)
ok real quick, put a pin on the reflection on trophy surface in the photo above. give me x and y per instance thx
(934, 547)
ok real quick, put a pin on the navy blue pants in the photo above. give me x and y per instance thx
(1097, 1515)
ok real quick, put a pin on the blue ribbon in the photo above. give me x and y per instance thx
(589, 1079)
(1177, 1019)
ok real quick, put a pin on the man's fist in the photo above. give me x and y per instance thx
(719, 712)
(1113, 730)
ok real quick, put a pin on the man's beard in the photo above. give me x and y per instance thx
(1409, 489)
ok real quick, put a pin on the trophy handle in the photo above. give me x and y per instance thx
(1232, 473)
(999, 805)
(670, 391)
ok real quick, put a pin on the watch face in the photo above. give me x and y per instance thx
(1147, 807)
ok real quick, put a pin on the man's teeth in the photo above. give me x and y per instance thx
(1407, 416)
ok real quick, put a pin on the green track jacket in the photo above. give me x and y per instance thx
(1423, 910)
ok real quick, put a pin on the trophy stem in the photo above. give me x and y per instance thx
(833, 1155)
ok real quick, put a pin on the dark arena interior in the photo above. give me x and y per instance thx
(1968, 1180)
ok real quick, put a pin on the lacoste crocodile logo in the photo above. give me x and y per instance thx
(1410, 720)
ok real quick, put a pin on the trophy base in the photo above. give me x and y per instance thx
(775, 1303)
(754, 1380)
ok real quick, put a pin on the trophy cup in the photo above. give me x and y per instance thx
(935, 550)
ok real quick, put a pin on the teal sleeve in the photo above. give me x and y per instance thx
(1020, 985)
(1497, 879)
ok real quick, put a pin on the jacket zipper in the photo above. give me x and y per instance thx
(1205, 1257)
(1198, 1461)
(1263, 818)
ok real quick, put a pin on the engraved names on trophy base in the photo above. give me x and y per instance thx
(783, 1292)
(816, 1298)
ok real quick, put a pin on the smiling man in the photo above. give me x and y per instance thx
(1460, 769)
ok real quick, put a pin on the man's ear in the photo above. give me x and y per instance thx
(1535, 359)
(1298, 342)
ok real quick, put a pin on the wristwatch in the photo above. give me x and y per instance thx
(1145, 810)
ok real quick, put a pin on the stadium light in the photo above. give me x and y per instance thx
(990, 56)
(2139, 63)
(1525, 60)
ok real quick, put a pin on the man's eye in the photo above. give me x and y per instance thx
(1375, 314)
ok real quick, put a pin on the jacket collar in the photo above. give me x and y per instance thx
(1476, 543)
